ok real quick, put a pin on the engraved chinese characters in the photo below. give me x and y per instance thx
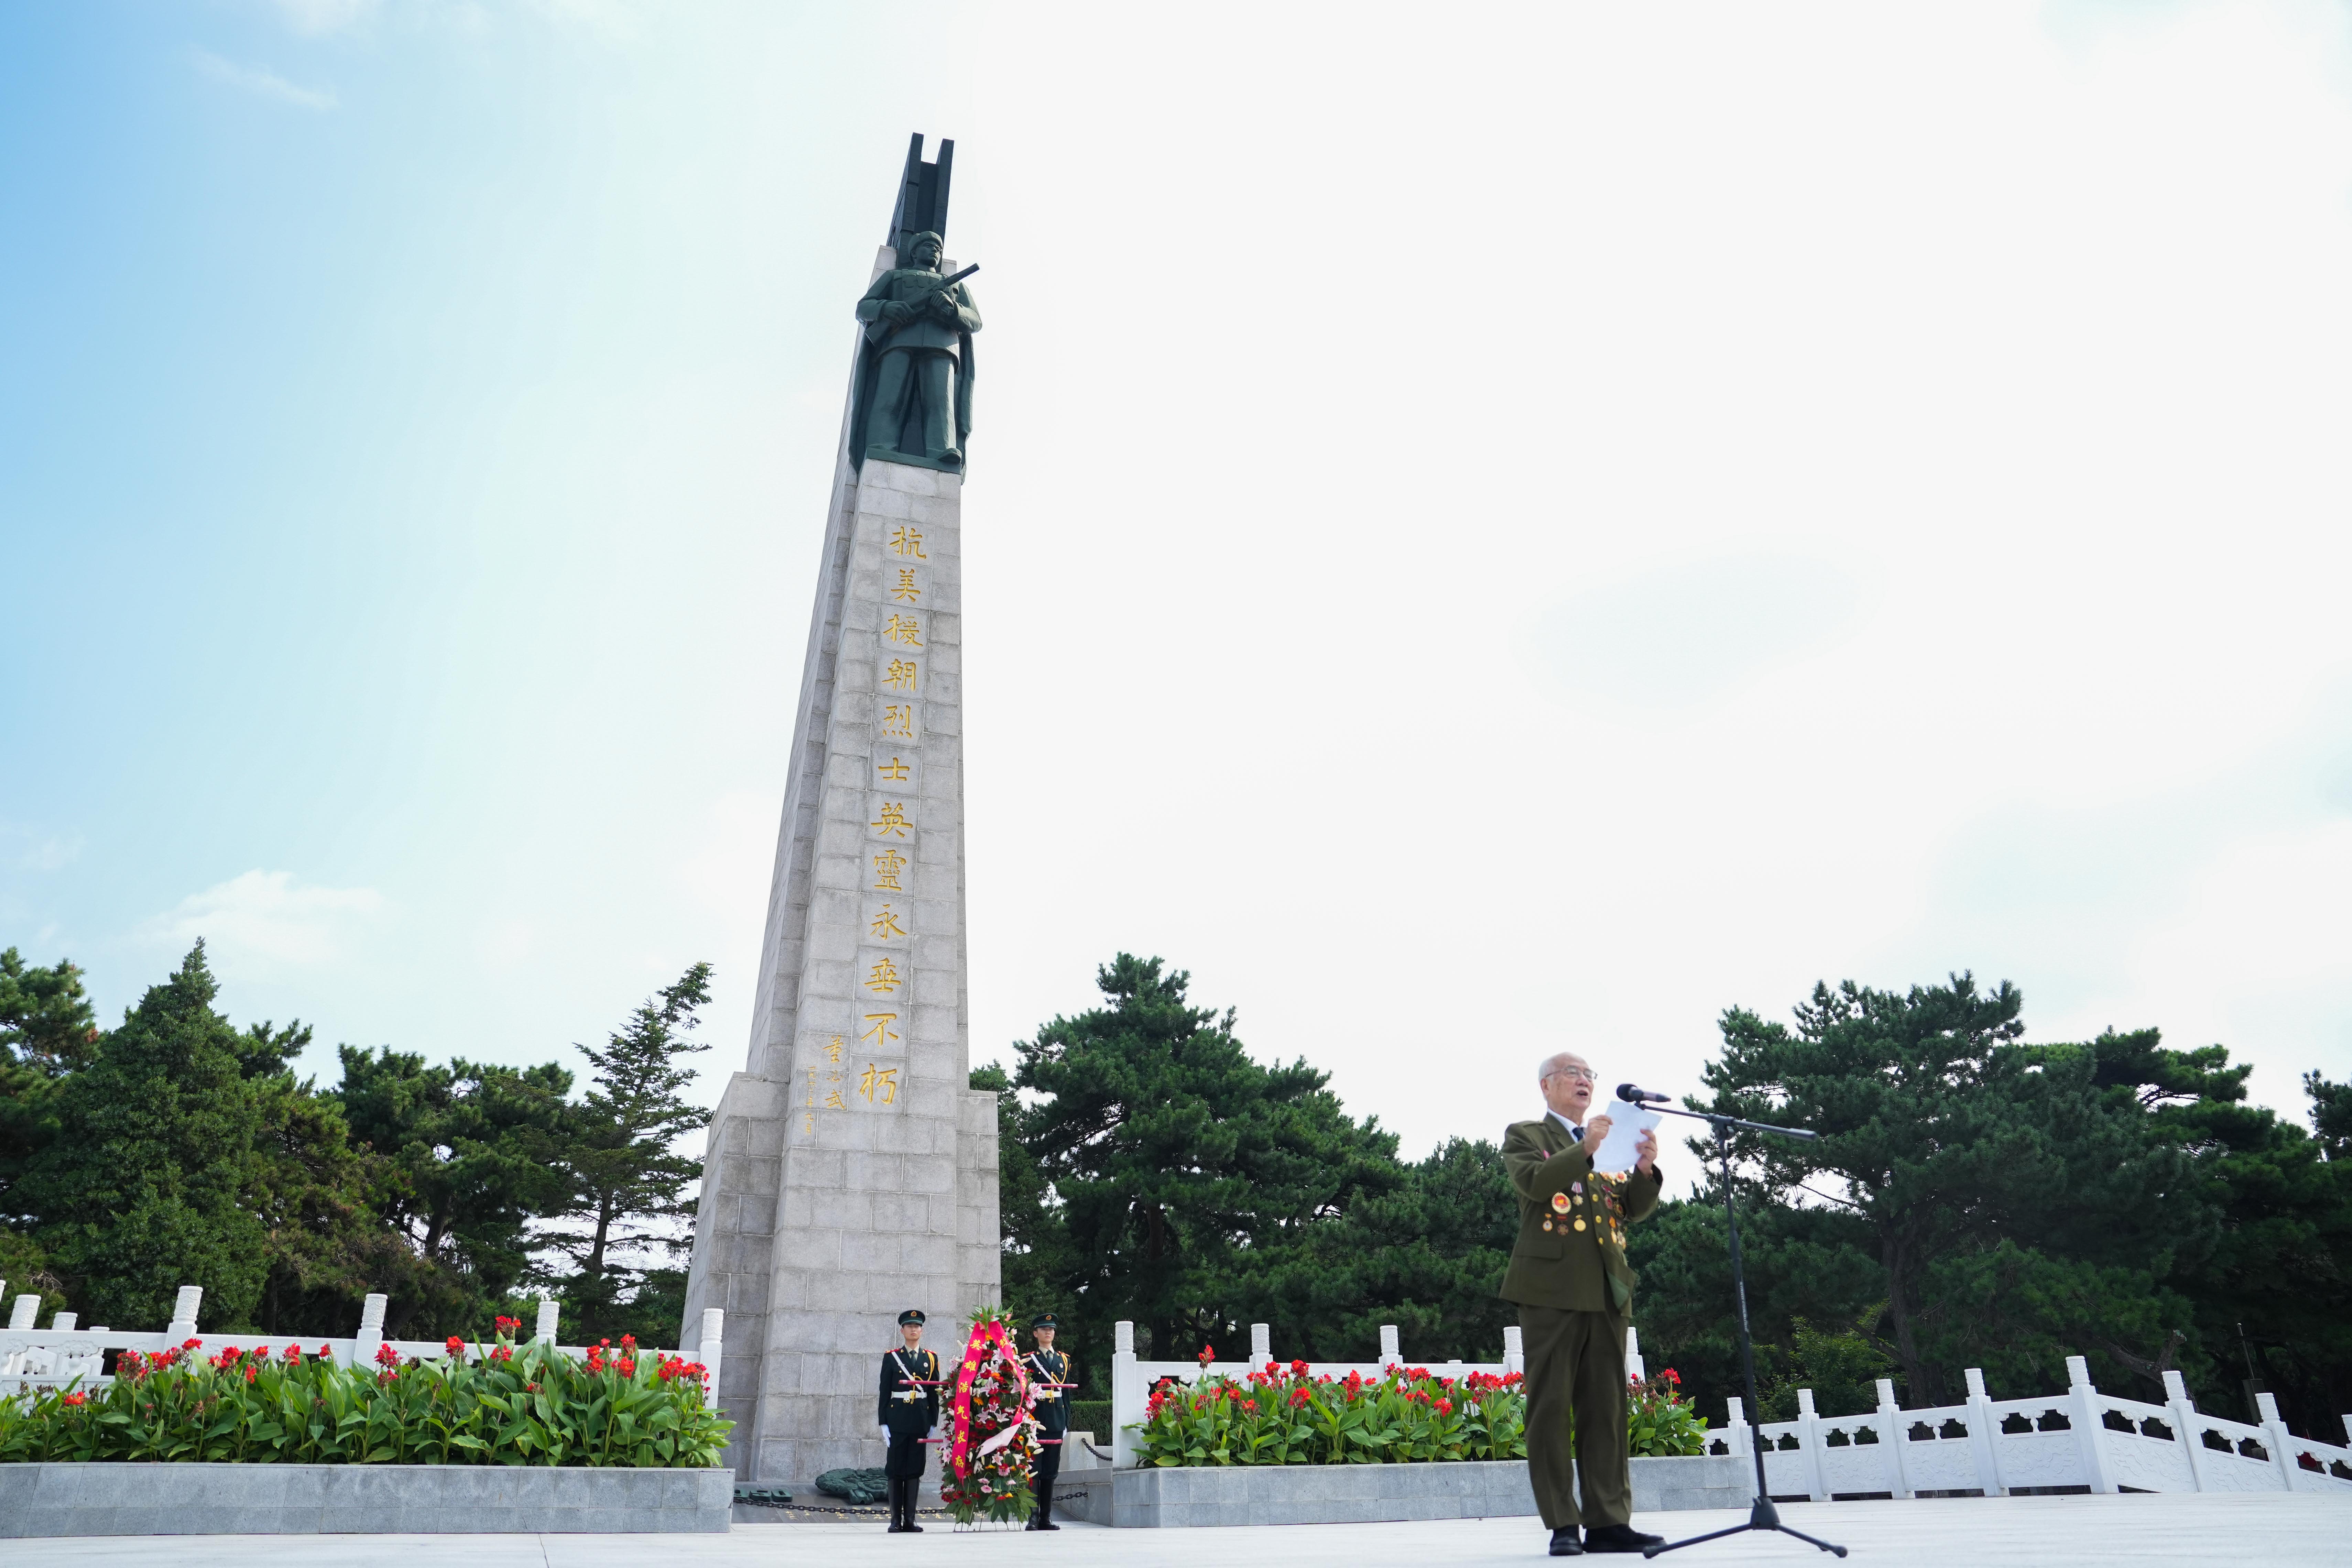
(868, 1047)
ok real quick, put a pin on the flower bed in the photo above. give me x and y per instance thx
(494, 1405)
(1282, 1415)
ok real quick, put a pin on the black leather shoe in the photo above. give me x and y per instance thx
(1564, 1543)
(1618, 1538)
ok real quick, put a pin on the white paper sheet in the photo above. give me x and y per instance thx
(1626, 1125)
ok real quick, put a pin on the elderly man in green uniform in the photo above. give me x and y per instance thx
(1575, 1294)
(1052, 1404)
(908, 1408)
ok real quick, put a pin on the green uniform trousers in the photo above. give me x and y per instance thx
(1576, 1362)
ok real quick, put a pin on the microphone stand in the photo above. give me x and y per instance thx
(1762, 1515)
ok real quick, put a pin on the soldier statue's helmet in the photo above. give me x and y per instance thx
(1043, 1320)
(915, 243)
(911, 1315)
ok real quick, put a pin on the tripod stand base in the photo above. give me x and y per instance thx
(1761, 1516)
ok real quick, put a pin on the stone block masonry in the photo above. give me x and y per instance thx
(850, 1171)
(407, 1499)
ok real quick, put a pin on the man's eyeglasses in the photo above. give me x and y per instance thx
(1587, 1074)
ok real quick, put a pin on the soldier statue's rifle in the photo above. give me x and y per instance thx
(881, 327)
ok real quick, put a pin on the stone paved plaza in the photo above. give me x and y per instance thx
(2280, 1532)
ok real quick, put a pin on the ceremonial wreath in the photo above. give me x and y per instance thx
(991, 1434)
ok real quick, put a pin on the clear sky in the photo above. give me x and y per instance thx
(1487, 531)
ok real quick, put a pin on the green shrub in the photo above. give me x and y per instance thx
(1091, 1416)
(506, 1405)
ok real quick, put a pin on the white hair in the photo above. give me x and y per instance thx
(1551, 1063)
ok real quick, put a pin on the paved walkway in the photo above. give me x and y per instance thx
(2279, 1530)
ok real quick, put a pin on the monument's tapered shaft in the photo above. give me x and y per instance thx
(851, 1171)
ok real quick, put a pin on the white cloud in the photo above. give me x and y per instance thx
(261, 82)
(31, 849)
(266, 917)
(314, 18)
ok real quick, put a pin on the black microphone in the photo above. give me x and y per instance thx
(1631, 1095)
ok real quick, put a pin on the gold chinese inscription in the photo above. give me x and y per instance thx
(886, 925)
(883, 978)
(907, 541)
(893, 823)
(887, 867)
(885, 1079)
(903, 629)
(899, 675)
(878, 1030)
(905, 590)
(898, 721)
(892, 769)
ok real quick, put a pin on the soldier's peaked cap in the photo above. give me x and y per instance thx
(1043, 1320)
(913, 1315)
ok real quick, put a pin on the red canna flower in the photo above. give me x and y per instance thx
(628, 1367)
(1445, 1407)
(628, 1342)
(1299, 1369)
(386, 1356)
(77, 1398)
(1208, 1354)
(455, 1347)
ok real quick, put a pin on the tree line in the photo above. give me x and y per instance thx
(1973, 1200)
(176, 1149)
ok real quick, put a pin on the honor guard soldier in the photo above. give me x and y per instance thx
(909, 1407)
(1050, 1366)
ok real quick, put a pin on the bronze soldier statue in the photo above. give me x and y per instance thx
(1048, 1365)
(913, 399)
(908, 1408)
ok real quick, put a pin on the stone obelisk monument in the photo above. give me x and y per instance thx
(851, 1171)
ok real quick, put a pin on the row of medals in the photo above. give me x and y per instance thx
(1604, 1201)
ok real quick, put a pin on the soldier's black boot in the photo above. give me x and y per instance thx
(913, 1484)
(1045, 1520)
(898, 1505)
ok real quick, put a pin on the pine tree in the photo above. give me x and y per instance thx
(627, 1181)
(142, 1189)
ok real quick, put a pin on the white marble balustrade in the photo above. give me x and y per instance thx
(32, 1358)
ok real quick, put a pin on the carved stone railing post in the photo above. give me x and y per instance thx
(1126, 1394)
(711, 1346)
(544, 1330)
(1389, 1354)
(1635, 1366)
(183, 1326)
(1514, 1351)
(2090, 1424)
(1260, 1345)
(2275, 1437)
(1981, 1445)
(1809, 1447)
(63, 1322)
(1736, 1423)
(370, 1338)
(2185, 1427)
(1890, 1438)
(20, 1316)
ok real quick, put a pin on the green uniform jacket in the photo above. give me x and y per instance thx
(1577, 1263)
